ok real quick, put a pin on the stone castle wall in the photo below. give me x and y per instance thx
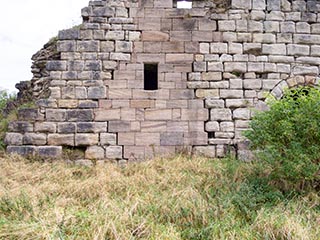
(217, 62)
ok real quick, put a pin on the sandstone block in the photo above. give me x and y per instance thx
(171, 139)
(221, 114)
(306, 70)
(194, 114)
(252, 83)
(61, 139)
(207, 151)
(115, 35)
(119, 126)
(80, 115)
(179, 57)
(108, 139)
(13, 139)
(56, 115)
(154, 36)
(49, 151)
(212, 126)
(22, 150)
(69, 34)
(153, 126)
(237, 67)
(66, 127)
(207, 93)
(123, 46)
(219, 48)
(231, 93)
(214, 103)
(28, 114)
(134, 153)
(241, 113)
(158, 114)
(120, 56)
(35, 139)
(95, 152)
(227, 126)
(114, 152)
(126, 138)
(227, 25)
(211, 76)
(88, 46)
(275, 49)
(97, 92)
(107, 114)
(20, 127)
(92, 127)
(86, 139)
(103, 11)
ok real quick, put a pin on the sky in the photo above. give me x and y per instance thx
(25, 26)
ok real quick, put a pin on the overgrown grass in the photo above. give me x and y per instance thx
(177, 198)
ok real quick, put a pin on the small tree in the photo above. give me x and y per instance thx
(287, 138)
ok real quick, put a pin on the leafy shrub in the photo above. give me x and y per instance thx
(4, 98)
(287, 139)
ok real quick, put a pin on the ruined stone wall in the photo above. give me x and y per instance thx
(217, 62)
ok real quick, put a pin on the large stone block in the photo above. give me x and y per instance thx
(20, 127)
(28, 114)
(45, 127)
(22, 150)
(147, 139)
(108, 139)
(119, 126)
(35, 139)
(49, 151)
(61, 139)
(220, 114)
(80, 115)
(86, 139)
(171, 139)
(95, 152)
(207, 151)
(114, 152)
(13, 139)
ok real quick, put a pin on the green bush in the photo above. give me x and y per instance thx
(4, 98)
(287, 139)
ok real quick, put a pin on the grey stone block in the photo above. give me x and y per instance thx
(69, 34)
(56, 65)
(66, 127)
(35, 139)
(22, 150)
(79, 115)
(61, 139)
(108, 139)
(86, 139)
(49, 151)
(97, 92)
(114, 152)
(13, 139)
(20, 127)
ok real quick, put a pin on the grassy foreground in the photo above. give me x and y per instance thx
(177, 198)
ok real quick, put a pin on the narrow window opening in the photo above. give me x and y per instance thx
(182, 4)
(150, 76)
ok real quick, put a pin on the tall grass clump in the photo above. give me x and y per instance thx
(174, 198)
(287, 139)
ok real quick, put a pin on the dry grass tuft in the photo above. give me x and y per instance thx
(177, 198)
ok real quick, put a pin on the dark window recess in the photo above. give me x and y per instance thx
(150, 76)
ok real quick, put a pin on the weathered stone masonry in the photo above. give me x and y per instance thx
(216, 63)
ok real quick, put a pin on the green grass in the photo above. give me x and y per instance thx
(176, 198)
